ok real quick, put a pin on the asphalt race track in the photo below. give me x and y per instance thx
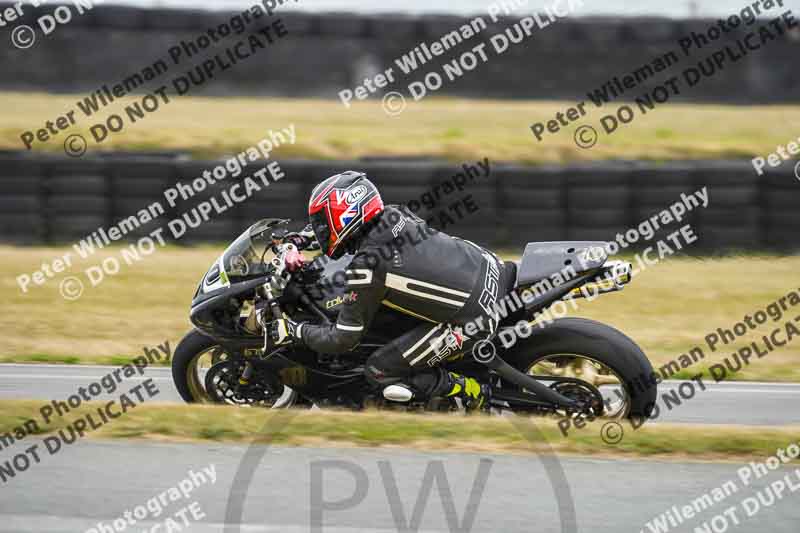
(723, 403)
(297, 490)
(94, 481)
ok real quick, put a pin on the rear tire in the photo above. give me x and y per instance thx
(588, 338)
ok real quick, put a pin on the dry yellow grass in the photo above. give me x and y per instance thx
(456, 129)
(668, 309)
(673, 305)
(143, 305)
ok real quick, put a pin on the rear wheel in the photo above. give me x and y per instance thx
(582, 358)
(204, 372)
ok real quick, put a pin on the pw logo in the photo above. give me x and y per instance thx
(434, 474)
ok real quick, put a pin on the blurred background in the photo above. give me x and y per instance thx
(539, 190)
(615, 8)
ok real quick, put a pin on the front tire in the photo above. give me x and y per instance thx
(193, 353)
(570, 339)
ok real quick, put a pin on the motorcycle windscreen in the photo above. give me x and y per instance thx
(245, 258)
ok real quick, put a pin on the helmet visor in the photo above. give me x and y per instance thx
(319, 223)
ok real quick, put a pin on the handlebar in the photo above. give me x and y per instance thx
(303, 239)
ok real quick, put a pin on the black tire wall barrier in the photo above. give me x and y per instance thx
(52, 200)
(326, 53)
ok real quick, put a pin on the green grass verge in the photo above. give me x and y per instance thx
(160, 422)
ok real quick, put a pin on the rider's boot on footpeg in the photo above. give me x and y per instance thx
(473, 395)
(441, 384)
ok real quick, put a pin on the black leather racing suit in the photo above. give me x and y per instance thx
(444, 281)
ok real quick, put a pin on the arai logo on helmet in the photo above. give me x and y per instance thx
(356, 195)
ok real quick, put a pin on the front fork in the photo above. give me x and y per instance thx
(265, 309)
(247, 373)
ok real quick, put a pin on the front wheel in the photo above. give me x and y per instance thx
(586, 351)
(204, 372)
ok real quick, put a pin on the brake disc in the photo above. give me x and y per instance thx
(223, 386)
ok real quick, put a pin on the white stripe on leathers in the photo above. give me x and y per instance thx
(400, 283)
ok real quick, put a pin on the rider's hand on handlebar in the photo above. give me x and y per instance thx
(284, 331)
(303, 239)
(297, 239)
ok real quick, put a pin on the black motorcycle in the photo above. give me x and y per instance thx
(567, 366)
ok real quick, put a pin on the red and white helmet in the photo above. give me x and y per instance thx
(339, 207)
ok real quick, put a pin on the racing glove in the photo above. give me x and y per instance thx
(285, 331)
(303, 239)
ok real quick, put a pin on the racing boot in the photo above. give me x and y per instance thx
(472, 394)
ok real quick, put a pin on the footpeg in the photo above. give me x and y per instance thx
(398, 393)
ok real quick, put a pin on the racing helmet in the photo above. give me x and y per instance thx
(340, 207)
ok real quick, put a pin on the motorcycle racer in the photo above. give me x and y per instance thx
(451, 285)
